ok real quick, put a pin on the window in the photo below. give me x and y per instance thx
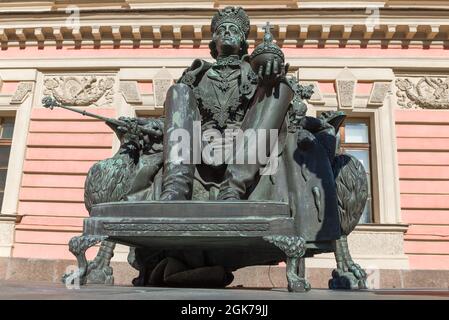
(6, 131)
(355, 140)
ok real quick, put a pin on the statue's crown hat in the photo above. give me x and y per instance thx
(235, 15)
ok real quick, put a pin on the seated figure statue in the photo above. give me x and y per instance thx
(325, 191)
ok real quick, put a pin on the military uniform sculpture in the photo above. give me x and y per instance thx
(325, 191)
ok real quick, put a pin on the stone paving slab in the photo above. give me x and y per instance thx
(12, 290)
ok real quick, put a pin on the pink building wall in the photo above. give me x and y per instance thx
(61, 147)
(423, 156)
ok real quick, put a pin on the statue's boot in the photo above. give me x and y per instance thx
(179, 157)
(237, 179)
(177, 183)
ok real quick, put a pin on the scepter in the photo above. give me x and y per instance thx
(51, 103)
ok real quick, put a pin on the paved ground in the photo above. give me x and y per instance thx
(54, 291)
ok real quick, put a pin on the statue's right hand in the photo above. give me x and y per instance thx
(123, 128)
(129, 129)
(126, 120)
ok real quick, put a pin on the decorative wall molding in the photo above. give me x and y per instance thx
(426, 93)
(161, 87)
(130, 92)
(77, 90)
(345, 85)
(161, 83)
(378, 93)
(21, 92)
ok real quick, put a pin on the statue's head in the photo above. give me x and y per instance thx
(230, 29)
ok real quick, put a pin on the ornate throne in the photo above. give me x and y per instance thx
(307, 206)
(296, 213)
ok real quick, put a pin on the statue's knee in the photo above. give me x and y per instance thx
(180, 98)
(179, 90)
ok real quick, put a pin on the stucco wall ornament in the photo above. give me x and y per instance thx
(427, 93)
(130, 91)
(21, 92)
(379, 93)
(345, 84)
(161, 83)
(80, 90)
(161, 87)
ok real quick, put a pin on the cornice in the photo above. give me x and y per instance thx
(191, 27)
(247, 4)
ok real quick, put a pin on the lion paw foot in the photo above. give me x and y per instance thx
(353, 279)
(100, 274)
(301, 285)
(73, 278)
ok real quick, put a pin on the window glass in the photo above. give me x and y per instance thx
(354, 140)
(4, 156)
(6, 132)
(356, 133)
(362, 156)
(2, 179)
(7, 128)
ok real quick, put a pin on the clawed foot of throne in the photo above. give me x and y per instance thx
(352, 278)
(78, 246)
(348, 275)
(294, 248)
(297, 284)
(99, 271)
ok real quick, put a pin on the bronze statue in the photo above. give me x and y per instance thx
(176, 207)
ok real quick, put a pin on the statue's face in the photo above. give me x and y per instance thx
(228, 38)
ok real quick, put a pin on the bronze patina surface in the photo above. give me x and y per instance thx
(191, 222)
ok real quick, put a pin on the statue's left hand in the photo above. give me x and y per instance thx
(272, 72)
